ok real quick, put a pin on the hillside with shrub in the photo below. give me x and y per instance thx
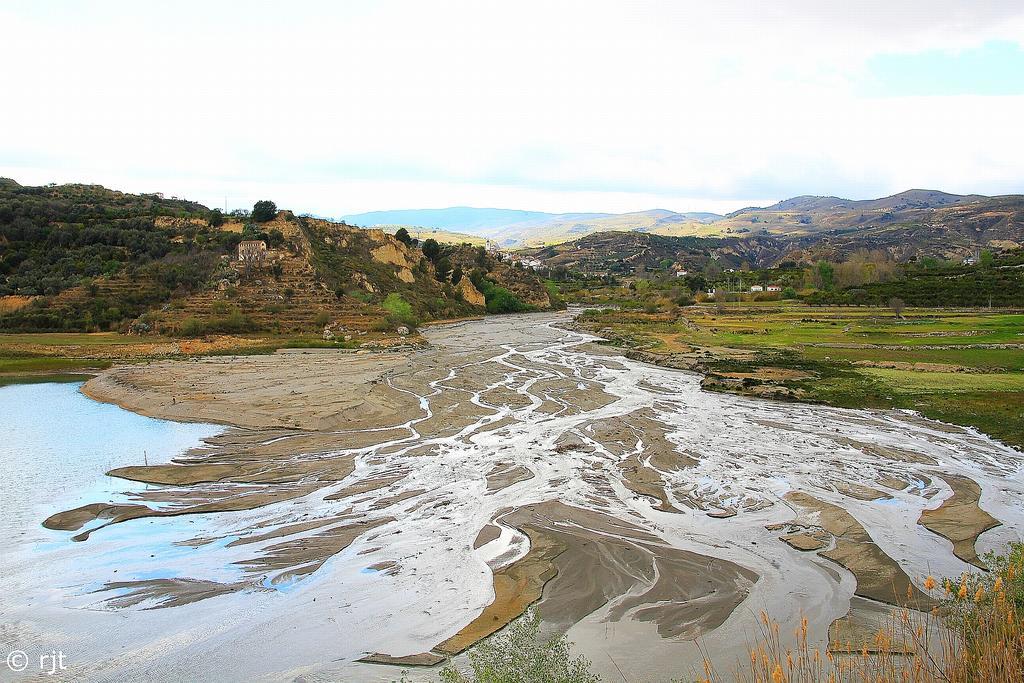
(85, 258)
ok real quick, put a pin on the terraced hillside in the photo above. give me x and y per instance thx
(84, 258)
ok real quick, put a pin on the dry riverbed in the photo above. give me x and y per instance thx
(366, 511)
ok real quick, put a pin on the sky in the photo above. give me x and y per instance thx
(340, 107)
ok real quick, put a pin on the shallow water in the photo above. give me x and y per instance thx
(532, 383)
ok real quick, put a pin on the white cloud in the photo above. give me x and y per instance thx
(344, 107)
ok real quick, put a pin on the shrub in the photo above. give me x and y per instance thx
(399, 309)
(322, 318)
(191, 327)
(518, 655)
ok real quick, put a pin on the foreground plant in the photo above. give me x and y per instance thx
(975, 637)
(519, 655)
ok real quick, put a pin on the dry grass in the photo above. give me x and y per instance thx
(975, 637)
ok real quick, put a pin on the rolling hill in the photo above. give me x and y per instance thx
(925, 221)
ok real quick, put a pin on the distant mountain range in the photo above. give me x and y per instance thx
(908, 226)
(510, 227)
(801, 216)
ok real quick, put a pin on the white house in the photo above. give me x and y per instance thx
(774, 288)
(756, 288)
(682, 273)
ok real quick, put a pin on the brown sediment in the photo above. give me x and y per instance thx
(505, 397)
(488, 533)
(167, 592)
(879, 577)
(366, 486)
(389, 567)
(75, 519)
(722, 513)
(858, 491)
(858, 630)
(803, 541)
(322, 391)
(888, 452)
(569, 441)
(395, 499)
(610, 560)
(503, 475)
(580, 560)
(302, 556)
(641, 471)
(516, 587)
(288, 530)
(236, 502)
(577, 400)
(891, 482)
(421, 659)
(959, 518)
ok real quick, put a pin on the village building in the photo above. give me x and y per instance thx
(773, 288)
(252, 251)
(756, 288)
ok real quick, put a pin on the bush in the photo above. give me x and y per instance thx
(191, 327)
(399, 310)
(322, 318)
(518, 655)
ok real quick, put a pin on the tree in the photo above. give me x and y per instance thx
(263, 211)
(403, 236)
(431, 249)
(824, 275)
(442, 269)
(897, 306)
(457, 275)
(985, 259)
(216, 218)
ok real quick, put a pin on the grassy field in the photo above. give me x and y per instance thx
(959, 366)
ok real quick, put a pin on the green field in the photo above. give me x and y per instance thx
(856, 357)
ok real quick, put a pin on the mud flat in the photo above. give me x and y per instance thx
(321, 391)
(371, 511)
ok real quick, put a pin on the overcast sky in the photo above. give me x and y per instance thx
(343, 107)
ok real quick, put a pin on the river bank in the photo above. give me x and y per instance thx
(400, 506)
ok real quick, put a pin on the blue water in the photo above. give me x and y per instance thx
(56, 445)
